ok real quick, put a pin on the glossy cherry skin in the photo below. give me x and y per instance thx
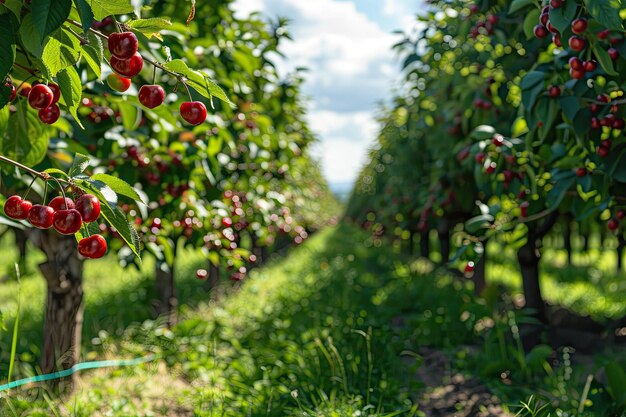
(151, 96)
(118, 83)
(577, 43)
(56, 92)
(202, 273)
(123, 45)
(17, 208)
(41, 216)
(540, 31)
(50, 114)
(612, 225)
(88, 206)
(127, 67)
(40, 96)
(579, 26)
(92, 247)
(194, 112)
(57, 203)
(67, 222)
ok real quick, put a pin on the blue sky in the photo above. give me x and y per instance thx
(346, 44)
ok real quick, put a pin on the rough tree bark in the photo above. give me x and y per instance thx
(425, 244)
(528, 257)
(166, 302)
(63, 323)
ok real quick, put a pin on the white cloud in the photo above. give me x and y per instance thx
(351, 69)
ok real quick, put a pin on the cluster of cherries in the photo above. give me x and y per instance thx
(65, 215)
(485, 27)
(41, 97)
(613, 223)
(127, 62)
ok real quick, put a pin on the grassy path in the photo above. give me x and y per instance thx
(336, 328)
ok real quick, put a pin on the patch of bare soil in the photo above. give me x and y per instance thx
(450, 394)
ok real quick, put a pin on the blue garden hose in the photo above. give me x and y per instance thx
(78, 367)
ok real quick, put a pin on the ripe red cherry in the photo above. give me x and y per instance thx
(540, 31)
(554, 91)
(123, 45)
(602, 35)
(493, 19)
(577, 74)
(41, 216)
(579, 25)
(202, 273)
(469, 267)
(17, 208)
(92, 247)
(581, 172)
(88, 206)
(544, 18)
(56, 92)
(613, 53)
(498, 140)
(595, 123)
(474, 8)
(227, 222)
(40, 96)
(575, 63)
(50, 114)
(24, 89)
(67, 222)
(603, 151)
(194, 112)
(117, 82)
(555, 4)
(621, 214)
(551, 28)
(524, 208)
(612, 225)
(480, 158)
(556, 38)
(127, 67)
(57, 203)
(590, 65)
(577, 43)
(151, 96)
(491, 168)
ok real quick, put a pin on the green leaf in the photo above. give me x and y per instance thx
(561, 17)
(92, 229)
(604, 59)
(93, 54)
(606, 12)
(49, 15)
(479, 222)
(61, 51)
(519, 5)
(118, 185)
(8, 27)
(86, 14)
(71, 91)
(570, 106)
(116, 218)
(531, 79)
(56, 171)
(5, 95)
(131, 116)
(104, 8)
(149, 27)
(197, 80)
(529, 23)
(30, 37)
(616, 377)
(15, 6)
(483, 132)
(80, 164)
(25, 139)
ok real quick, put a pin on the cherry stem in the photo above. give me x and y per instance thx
(31, 71)
(43, 175)
(154, 75)
(146, 59)
(186, 88)
(117, 24)
(29, 187)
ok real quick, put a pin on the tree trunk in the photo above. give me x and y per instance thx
(63, 323)
(620, 251)
(213, 277)
(425, 244)
(166, 303)
(479, 277)
(443, 232)
(567, 241)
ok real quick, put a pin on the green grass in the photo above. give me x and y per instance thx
(332, 329)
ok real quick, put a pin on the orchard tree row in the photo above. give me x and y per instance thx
(139, 133)
(510, 120)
